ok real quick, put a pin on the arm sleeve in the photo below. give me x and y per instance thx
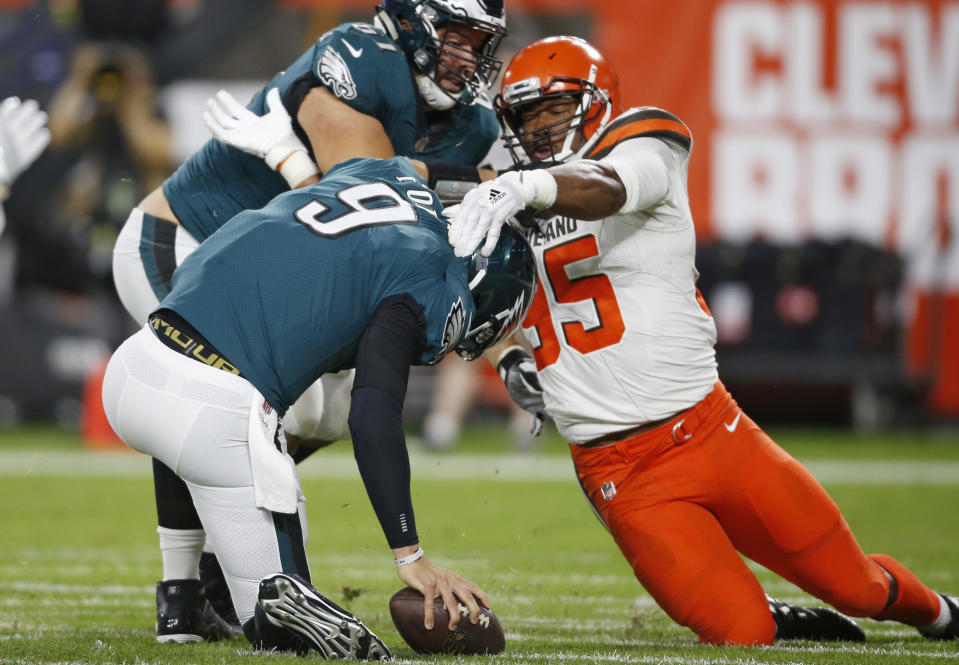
(392, 342)
(642, 165)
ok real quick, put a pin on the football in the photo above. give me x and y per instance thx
(485, 637)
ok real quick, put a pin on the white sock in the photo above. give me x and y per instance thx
(180, 550)
(942, 622)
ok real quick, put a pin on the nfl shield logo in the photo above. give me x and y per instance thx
(609, 490)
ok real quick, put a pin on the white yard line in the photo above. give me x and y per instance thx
(507, 468)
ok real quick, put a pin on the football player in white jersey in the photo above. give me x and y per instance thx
(623, 344)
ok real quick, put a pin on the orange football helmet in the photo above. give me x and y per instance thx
(551, 68)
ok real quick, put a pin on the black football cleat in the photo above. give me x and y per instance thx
(216, 590)
(820, 624)
(291, 603)
(184, 614)
(951, 630)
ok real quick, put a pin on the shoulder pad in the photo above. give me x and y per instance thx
(361, 35)
(332, 70)
(644, 121)
(354, 54)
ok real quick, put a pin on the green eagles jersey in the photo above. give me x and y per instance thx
(364, 69)
(285, 292)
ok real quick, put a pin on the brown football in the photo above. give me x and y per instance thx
(484, 637)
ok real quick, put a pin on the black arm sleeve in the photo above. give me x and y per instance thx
(451, 182)
(392, 342)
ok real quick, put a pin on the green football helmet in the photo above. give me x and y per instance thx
(502, 287)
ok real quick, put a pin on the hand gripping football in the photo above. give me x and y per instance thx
(484, 637)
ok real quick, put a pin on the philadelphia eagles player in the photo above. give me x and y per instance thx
(411, 83)
(353, 272)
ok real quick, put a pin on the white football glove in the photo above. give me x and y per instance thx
(269, 137)
(482, 213)
(23, 136)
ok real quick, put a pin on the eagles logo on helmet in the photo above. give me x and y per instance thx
(453, 329)
(552, 68)
(413, 25)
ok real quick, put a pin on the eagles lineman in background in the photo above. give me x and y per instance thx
(353, 272)
(411, 83)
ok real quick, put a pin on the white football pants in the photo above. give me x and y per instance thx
(196, 420)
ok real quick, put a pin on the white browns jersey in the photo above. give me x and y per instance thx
(620, 334)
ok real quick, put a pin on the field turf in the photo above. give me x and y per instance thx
(79, 560)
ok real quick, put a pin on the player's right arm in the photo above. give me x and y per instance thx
(336, 132)
(351, 103)
(339, 132)
(392, 342)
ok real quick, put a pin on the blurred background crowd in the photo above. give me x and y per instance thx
(824, 181)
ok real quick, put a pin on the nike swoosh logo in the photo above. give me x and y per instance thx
(356, 53)
(731, 427)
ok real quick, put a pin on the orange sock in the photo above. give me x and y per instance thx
(915, 604)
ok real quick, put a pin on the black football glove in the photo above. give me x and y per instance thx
(518, 371)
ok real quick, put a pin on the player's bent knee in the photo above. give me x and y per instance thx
(730, 621)
(748, 629)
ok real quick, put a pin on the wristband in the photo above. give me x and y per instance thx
(411, 558)
(297, 167)
(540, 188)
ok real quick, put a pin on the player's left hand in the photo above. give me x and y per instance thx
(482, 213)
(269, 137)
(518, 371)
(23, 136)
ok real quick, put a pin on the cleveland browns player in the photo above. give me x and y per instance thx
(623, 345)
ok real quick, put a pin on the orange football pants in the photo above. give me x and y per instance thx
(683, 500)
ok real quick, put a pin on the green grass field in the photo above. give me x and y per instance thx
(79, 561)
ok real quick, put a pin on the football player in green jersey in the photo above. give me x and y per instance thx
(410, 83)
(353, 272)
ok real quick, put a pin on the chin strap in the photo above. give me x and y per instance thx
(434, 96)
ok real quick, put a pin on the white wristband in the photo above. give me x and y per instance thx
(297, 167)
(407, 560)
(540, 186)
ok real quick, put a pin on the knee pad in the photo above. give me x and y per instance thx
(321, 413)
(145, 255)
(748, 628)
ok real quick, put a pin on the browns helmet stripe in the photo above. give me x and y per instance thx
(652, 122)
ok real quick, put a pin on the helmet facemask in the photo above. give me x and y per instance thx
(477, 79)
(416, 25)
